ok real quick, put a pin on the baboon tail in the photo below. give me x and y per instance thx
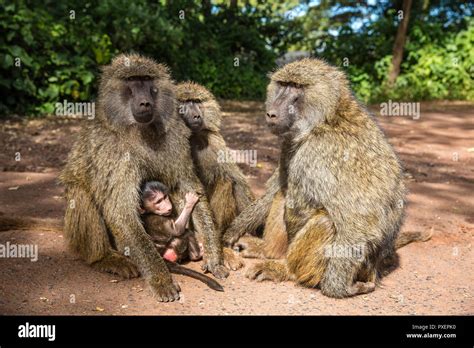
(24, 223)
(178, 269)
(409, 237)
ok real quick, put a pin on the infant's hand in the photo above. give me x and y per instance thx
(191, 199)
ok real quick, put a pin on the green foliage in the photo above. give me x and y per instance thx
(438, 70)
(438, 54)
(433, 69)
(51, 51)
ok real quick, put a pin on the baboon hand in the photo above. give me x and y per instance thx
(164, 288)
(217, 270)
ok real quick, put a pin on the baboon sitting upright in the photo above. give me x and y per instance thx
(338, 187)
(135, 135)
(226, 188)
(225, 185)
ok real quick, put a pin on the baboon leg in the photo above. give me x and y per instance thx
(86, 233)
(349, 275)
(367, 274)
(275, 239)
(409, 237)
(276, 271)
(307, 252)
(118, 264)
(222, 204)
(232, 260)
(359, 288)
(275, 235)
(250, 247)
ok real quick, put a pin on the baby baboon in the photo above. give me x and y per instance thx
(225, 185)
(173, 240)
(339, 179)
(133, 138)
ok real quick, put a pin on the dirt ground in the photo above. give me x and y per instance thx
(435, 277)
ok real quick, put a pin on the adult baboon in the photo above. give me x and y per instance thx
(339, 180)
(135, 135)
(225, 185)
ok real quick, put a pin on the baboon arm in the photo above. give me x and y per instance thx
(254, 215)
(243, 196)
(130, 236)
(203, 223)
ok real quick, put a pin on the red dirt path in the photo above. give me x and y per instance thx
(436, 277)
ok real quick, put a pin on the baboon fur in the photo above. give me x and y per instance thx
(111, 158)
(226, 188)
(342, 187)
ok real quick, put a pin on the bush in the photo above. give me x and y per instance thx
(50, 53)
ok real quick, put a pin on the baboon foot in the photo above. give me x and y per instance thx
(164, 289)
(270, 270)
(250, 247)
(218, 271)
(118, 264)
(359, 288)
(232, 260)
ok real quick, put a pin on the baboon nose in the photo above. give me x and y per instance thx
(145, 105)
(271, 114)
(196, 117)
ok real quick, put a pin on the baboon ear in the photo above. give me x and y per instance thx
(166, 100)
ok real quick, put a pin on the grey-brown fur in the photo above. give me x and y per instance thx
(111, 158)
(226, 187)
(341, 180)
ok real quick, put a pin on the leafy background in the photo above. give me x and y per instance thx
(60, 51)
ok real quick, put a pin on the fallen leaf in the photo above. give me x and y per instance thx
(98, 309)
(13, 188)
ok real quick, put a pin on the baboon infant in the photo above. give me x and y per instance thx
(173, 240)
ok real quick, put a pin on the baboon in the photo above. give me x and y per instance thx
(131, 140)
(173, 241)
(224, 183)
(171, 237)
(339, 180)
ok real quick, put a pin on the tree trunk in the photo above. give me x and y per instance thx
(399, 43)
(206, 6)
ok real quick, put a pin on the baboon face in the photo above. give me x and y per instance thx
(284, 105)
(159, 203)
(140, 93)
(192, 113)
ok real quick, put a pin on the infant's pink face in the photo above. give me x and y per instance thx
(158, 204)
